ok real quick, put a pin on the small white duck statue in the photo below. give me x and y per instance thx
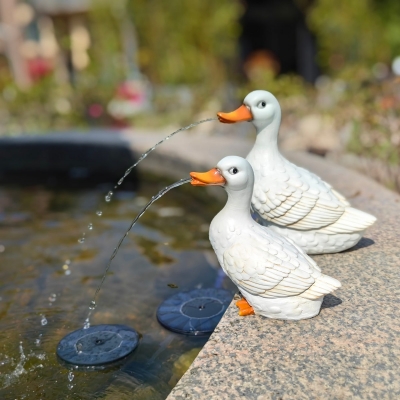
(277, 279)
(291, 200)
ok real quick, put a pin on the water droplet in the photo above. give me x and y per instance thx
(81, 240)
(71, 376)
(37, 342)
(86, 324)
(79, 347)
(70, 386)
(92, 305)
(43, 321)
(109, 195)
(68, 272)
(52, 297)
(99, 213)
(120, 181)
(90, 227)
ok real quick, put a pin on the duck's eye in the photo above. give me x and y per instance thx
(233, 171)
(261, 104)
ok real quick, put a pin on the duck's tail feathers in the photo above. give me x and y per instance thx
(351, 221)
(322, 286)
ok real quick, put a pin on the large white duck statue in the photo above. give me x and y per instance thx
(291, 200)
(277, 279)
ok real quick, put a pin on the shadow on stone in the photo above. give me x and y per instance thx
(364, 242)
(331, 301)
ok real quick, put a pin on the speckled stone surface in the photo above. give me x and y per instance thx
(351, 350)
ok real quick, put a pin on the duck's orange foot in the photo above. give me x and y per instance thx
(244, 307)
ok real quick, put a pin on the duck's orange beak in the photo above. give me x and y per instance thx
(241, 114)
(212, 177)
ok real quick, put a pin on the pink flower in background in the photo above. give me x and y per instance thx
(131, 98)
(96, 110)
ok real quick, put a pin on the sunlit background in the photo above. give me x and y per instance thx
(149, 63)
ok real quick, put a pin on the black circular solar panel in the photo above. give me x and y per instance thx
(194, 313)
(97, 345)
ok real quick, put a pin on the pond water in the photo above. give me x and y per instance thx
(48, 279)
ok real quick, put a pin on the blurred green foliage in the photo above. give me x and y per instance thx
(189, 53)
(355, 34)
(389, 14)
(185, 49)
(282, 86)
(186, 42)
(375, 119)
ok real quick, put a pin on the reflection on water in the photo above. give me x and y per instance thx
(48, 278)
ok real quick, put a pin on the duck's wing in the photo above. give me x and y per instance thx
(304, 255)
(268, 269)
(294, 197)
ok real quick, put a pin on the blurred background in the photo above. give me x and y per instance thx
(67, 64)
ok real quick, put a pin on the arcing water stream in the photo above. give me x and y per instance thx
(109, 195)
(145, 154)
(153, 199)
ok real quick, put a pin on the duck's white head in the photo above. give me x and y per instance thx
(235, 174)
(260, 107)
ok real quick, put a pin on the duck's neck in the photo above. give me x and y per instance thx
(267, 136)
(238, 204)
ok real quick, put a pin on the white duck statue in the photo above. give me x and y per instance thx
(291, 200)
(277, 279)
